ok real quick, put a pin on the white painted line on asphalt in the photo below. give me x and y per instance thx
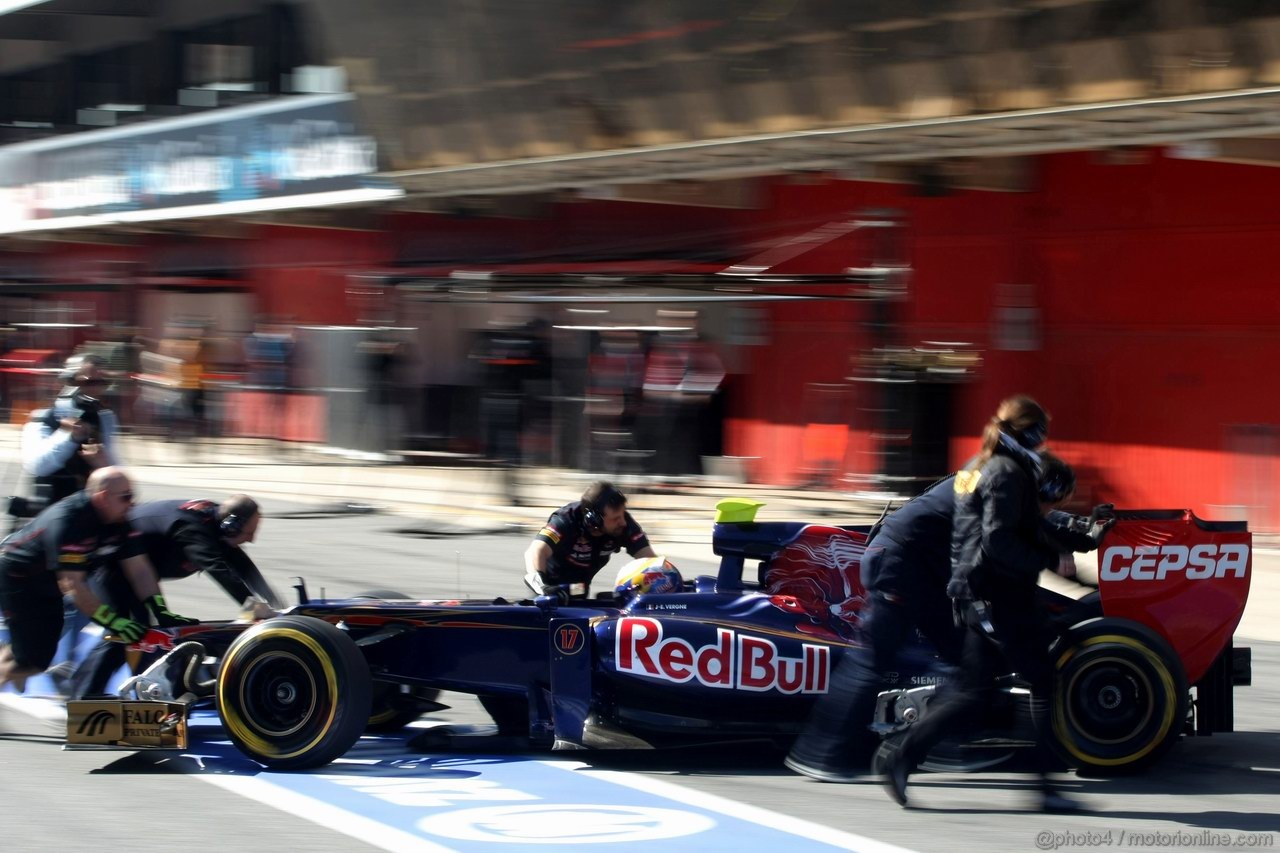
(324, 814)
(731, 808)
(40, 707)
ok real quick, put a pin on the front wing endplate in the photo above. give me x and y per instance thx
(126, 724)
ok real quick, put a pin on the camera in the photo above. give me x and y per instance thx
(82, 407)
(20, 507)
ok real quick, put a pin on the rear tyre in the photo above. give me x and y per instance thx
(1121, 697)
(294, 692)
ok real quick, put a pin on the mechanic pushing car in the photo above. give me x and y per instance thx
(181, 538)
(905, 571)
(998, 549)
(58, 548)
(578, 540)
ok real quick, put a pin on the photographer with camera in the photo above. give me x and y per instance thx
(64, 444)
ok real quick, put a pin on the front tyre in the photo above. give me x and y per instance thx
(294, 692)
(1120, 699)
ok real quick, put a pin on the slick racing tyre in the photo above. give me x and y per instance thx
(294, 692)
(392, 708)
(1120, 698)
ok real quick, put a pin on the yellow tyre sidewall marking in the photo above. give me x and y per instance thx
(1060, 729)
(243, 731)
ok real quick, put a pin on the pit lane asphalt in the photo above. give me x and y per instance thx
(77, 801)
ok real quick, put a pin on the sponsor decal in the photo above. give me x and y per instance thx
(155, 640)
(966, 482)
(734, 661)
(118, 723)
(1157, 562)
(95, 725)
(569, 639)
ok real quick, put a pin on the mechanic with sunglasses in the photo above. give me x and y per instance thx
(180, 538)
(54, 554)
(63, 444)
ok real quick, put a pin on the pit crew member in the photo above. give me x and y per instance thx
(181, 538)
(578, 540)
(53, 554)
(997, 553)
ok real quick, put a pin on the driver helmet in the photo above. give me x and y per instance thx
(649, 574)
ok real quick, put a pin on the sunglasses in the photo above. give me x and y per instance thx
(127, 497)
(92, 383)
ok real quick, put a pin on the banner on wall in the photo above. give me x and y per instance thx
(288, 153)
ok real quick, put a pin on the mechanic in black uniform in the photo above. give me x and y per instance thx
(58, 549)
(904, 571)
(181, 538)
(579, 538)
(998, 550)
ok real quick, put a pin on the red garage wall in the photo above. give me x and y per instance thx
(302, 274)
(1154, 281)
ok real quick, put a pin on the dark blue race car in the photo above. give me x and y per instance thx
(740, 655)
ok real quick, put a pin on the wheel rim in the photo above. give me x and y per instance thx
(1110, 700)
(278, 694)
(1116, 701)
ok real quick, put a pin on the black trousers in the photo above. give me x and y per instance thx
(838, 735)
(1009, 635)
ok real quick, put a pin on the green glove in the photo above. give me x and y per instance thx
(126, 629)
(165, 618)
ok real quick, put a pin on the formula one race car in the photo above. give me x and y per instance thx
(1145, 659)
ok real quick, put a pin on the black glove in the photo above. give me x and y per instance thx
(1099, 528)
(1102, 512)
(126, 629)
(560, 591)
(165, 618)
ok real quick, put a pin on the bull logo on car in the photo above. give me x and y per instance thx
(734, 661)
(1157, 562)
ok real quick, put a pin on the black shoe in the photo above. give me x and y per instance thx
(1052, 802)
(823, 773)
(894, 769)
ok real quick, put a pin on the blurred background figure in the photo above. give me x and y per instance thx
(615, 371)
(269, 358)
(512, 357)
(682, 375)
(171, 389)
(384, 358)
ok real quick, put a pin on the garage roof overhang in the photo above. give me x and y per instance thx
(1142, 122)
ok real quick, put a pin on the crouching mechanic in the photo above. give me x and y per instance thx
(53, 554)
(578, 540)
(180, 538)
